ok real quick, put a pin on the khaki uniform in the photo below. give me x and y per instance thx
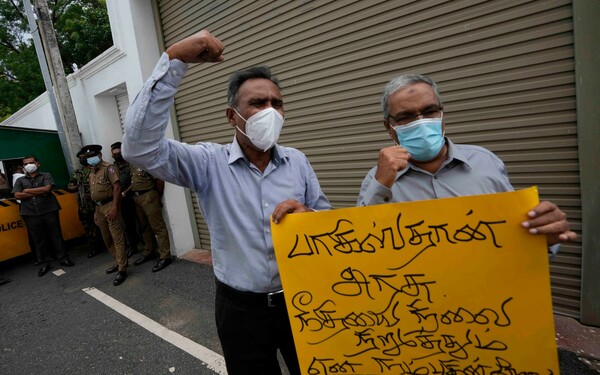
(102, 179)
(149, 211)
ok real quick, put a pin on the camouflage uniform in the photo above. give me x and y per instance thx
(128, 211)
(80, 181)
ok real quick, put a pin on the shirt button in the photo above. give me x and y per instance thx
(435, 177)
(266, 205)
(386, 199)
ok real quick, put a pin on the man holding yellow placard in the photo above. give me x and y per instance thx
(425, 165)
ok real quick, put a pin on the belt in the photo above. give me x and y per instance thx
(103, 202)
(140, 192)
(272, 299)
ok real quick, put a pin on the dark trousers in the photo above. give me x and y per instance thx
(250, 335)
(45, 232)
(92, 231)
(128, 212)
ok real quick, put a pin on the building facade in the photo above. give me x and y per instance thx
(517, 77)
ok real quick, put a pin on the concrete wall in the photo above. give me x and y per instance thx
(94, 87)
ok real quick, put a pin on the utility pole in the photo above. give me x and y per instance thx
(68, 121)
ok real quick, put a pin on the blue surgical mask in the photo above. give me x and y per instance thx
(94, 160)
(422, 138)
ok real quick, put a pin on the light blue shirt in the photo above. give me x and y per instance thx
(236, 199)
(468, 170)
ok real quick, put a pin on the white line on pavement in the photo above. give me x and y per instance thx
(214, 361)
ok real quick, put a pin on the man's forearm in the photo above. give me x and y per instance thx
(23, 195)
(148, 115)
(42, 190)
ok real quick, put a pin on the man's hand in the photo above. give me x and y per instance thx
(112, 214)
(288, 207)
(546, 218)
(391, 161)
(198, 48)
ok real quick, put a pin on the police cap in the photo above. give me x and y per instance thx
(89, 150)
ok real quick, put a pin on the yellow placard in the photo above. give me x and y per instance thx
(447, 286)
(13, 231)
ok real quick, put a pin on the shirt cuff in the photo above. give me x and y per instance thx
(376, 193)
(171, 72)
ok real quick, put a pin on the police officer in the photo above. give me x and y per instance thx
(105, 190)
(80, 183)
(147, 194)
(128, 210)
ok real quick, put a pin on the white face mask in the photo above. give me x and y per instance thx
(263, 128)
(30, 168)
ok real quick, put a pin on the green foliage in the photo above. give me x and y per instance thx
(82, 30)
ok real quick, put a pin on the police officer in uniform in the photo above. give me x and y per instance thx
(80, 183)
(128, 210)
(105, 190)
(147, 194)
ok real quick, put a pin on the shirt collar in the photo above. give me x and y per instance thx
(278, 155)
(453, 154)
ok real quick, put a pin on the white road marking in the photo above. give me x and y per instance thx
(59, 272)
(213, 361)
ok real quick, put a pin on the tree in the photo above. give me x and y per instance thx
(82, 30)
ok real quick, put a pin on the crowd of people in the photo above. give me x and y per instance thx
(118, 204)
(243, 184)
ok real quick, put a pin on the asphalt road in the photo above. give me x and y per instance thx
(154, 323)
(52, 325)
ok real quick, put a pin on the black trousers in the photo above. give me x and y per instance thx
(44, 230)
(128, 212)
(251, 333)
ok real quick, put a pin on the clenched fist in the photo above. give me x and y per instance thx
(391, 161)
(197, 48)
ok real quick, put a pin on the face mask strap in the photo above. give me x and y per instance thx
(239, 115)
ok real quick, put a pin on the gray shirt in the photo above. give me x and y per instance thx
(468, 170)
(235, 197)
(38, 205)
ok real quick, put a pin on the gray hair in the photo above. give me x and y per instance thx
(401, 82)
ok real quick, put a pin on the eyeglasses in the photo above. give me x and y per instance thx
(407, 118)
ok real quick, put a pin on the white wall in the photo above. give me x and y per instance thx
(123, 67)
(36, 115)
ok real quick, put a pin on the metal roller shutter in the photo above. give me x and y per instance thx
(122, 105)
(505, 69)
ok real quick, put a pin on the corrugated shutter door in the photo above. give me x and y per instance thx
(505, 69)
(122, 105)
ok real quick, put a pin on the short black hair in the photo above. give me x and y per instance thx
(238, 78)
(115, 145)
(29, 157)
